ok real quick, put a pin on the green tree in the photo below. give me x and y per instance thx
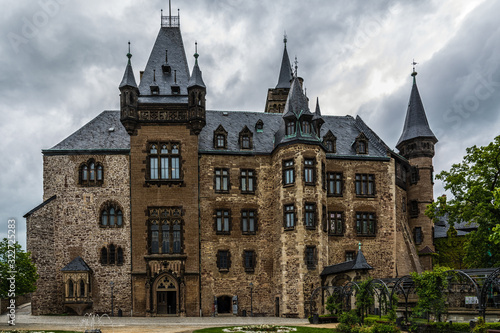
(430, 287)
(475, 186)
(16, 271)
(334, 303)
(364, 298)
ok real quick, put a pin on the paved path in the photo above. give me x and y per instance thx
(24, 320)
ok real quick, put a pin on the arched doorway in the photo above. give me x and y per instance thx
(224, 304)
(166, 295)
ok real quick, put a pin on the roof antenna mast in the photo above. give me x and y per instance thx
(169, 14)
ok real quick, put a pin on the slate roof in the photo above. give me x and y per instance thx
(196, 78)
(358, 264)
(76, 265)
(39, 206)
(168, 39)
(442, 225)
(416, 124)
(96, 136)
(285, 71)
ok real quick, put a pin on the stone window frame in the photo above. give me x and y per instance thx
(289, 215)
(418, 235)
(222, 180)
(414, 209)
(220, 260)
(91, 173)
(334, 179)
(288, 167)
(310, 171)
(310, 212)
(111, 255)
(166, 221)
(159, 154)
(365, 224)
(247, 177)
(105, 214)
(350, 255)
(364, 184)
(361, 144)
(245, 139)
(222, 221)
(249, 260)
(311, 257)
(220, 138)
(247, 215)
(336, 223)
(328, 139)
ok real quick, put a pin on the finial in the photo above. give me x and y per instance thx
(414, 73)
(175, 76)
(305, 91)
(154, 75)
(129, 55)
(296, 65)
(359, 246)
(166, 56)
(284, 38)
(196, 55)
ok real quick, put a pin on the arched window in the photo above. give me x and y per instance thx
(112, 254)
(119, 256)
(111, 215)
(104, 256)
(82, 288)
(71, 291)
(91, 173)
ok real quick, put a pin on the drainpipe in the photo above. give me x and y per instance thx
(199, 235)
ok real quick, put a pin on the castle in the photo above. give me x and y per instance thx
(168, 208)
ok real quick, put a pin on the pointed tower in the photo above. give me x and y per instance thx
(196, 100)
(276, 98)
(317, 120)
(416, 144)
(129, 94)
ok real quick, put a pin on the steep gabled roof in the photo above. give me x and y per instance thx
(168, 49)
(76, 265)
(285, 71)
(416, 124)
(40, 206)
(358, 264)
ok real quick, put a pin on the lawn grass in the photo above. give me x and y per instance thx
(38, 331)
(300, 329)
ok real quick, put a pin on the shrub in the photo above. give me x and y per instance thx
(349, 322)
(384, 328)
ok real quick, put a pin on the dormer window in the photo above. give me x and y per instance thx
(166, 69)
(330, 142)
(155, 90)
(290, 128)
(361, 144)
(259, 126)
(176, 90)
(245, 138)
(220, 138)
(306, 127)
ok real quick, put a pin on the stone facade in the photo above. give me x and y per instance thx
(180, 175)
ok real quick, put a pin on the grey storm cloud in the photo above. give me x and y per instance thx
(62, 62)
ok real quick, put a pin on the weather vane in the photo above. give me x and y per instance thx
(414, 63)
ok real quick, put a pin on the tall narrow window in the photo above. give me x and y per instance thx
(92, 172)
(309, 216)
(164, 161)
(414, 211)
(221, 141)
(165, 230)
(82, 288)
(165, 247)
(336, 223)
(155, 239)
(221, 180)
(289, 216)
(306, 127)
(309, 174)
(71, 292)
(247, 178)
(112, 254)
(85, 173)
(248, 222)
(335, 183)
(249, 260)
(111, 217)
(418, 235)
(99, 172)
(222, 220)
(104, 256)
(119, 256)
(365, 184)
(177, 238)
(288, 172)
(365, 224)
(290, 128)
(310, 257)
(223, 262)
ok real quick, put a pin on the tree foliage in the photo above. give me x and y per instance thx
(21, 270)
(430, 287)
(475, 186)
(364, 298)
(334, 303)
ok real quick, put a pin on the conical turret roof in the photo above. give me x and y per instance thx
(285, 71)
(416, 124)
(128, 76)
(196, 78)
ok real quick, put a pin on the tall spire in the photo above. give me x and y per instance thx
(286, 68)
(196, 78)
(128, 76)
(416, 124)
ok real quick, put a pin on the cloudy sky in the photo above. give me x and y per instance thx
(61, 62)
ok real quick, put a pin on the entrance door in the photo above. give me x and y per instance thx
(166, 302)
(224, 304)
